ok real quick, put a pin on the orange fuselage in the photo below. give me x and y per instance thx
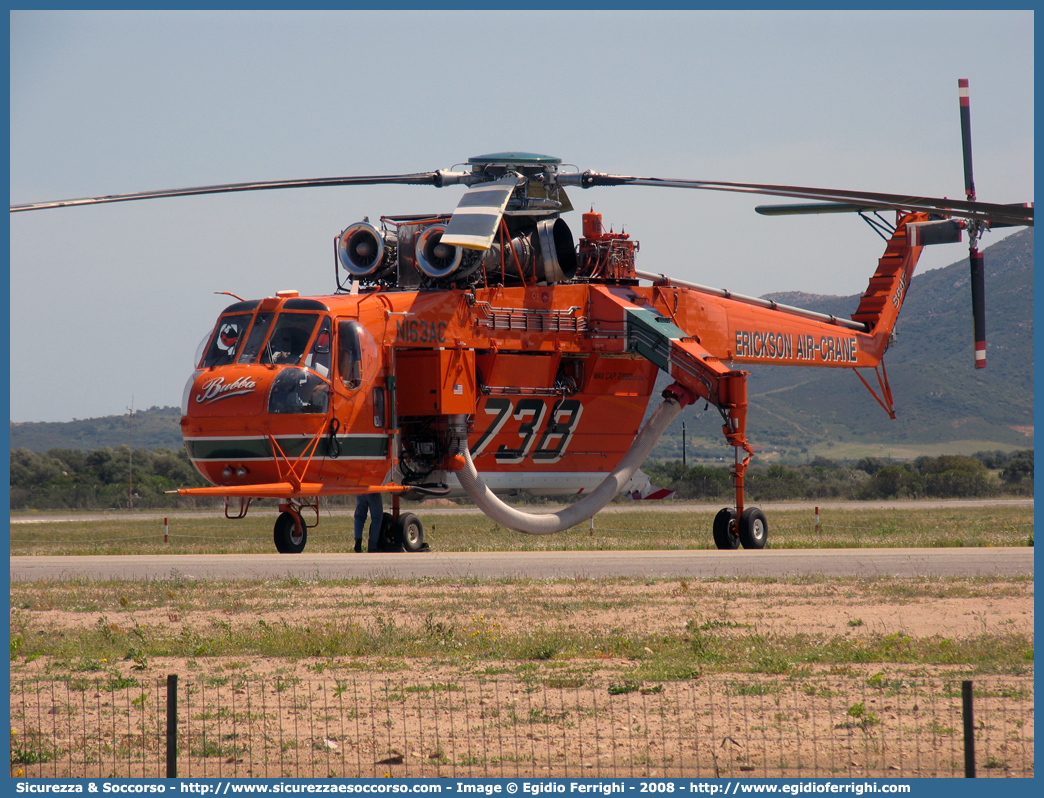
(554, 392)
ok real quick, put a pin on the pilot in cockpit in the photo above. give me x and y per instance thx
(288, 344)
(319, 358)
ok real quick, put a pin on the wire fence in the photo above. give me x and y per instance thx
(369, 725)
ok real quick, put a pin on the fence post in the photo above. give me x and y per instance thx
(172, 726)
(969, 730)
(817, 520)
(166, 530)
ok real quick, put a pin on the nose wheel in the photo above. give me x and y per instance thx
(290, 533)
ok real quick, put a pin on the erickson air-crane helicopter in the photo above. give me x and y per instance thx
(482, 352)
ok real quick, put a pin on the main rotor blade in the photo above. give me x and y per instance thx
(477, 216)
(983, 211)
(420, 178)
(811, 208)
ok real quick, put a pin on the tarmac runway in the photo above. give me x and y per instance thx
(941, 562)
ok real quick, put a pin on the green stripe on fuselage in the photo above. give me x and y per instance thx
(369, 446)
(221, 449)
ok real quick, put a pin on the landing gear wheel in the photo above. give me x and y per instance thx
(387, 536)
(753, 529)
(410, 532)
(724, 537)
(386, 540)
(290, 533)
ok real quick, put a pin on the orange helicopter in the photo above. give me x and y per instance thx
(482, 352)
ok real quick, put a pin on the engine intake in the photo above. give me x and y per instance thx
(435, 259)
(362, 252)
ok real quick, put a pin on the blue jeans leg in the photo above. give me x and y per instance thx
(376, 508)
(361, 508)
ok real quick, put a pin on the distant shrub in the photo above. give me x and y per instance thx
(1019, 468)
(894, 482)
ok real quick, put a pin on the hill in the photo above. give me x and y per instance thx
(152, 429)
(943, 404)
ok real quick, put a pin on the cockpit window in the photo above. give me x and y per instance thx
(226, 341)
(319, 358)
(252, 347)
(289, 338)
(298, 391)
(357, 354)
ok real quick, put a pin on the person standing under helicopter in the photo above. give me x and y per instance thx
(368, 503)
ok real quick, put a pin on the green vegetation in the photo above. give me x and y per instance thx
(990, 473)
(943, 405)
(100, 479)
(354, 655)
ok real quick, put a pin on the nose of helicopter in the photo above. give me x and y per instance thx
(226, 391)
(238, 420)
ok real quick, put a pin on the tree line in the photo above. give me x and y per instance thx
(946, 477)
(76, 479)
(110, 478)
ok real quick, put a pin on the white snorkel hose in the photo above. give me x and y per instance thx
(549, 523)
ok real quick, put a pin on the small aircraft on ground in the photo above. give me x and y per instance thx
(481, 351)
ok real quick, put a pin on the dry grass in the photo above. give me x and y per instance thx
(653, 629)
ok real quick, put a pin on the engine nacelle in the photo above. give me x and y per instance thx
(556, 245)
(435, 259)
(362, 252)
(543, 253)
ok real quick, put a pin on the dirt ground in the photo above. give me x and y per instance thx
(954, 608)
(462, 715)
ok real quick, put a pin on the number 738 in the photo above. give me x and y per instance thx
(553, 438)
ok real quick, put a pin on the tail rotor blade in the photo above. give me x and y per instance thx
(969, 180)
(978, 293)
(975, 259)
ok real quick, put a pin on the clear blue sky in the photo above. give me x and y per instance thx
(113, 300)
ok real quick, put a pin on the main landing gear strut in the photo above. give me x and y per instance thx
(739, 526)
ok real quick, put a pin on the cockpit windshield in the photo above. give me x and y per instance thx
(287, 344)
(225, 345)
(252, 347)
(289, 339)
